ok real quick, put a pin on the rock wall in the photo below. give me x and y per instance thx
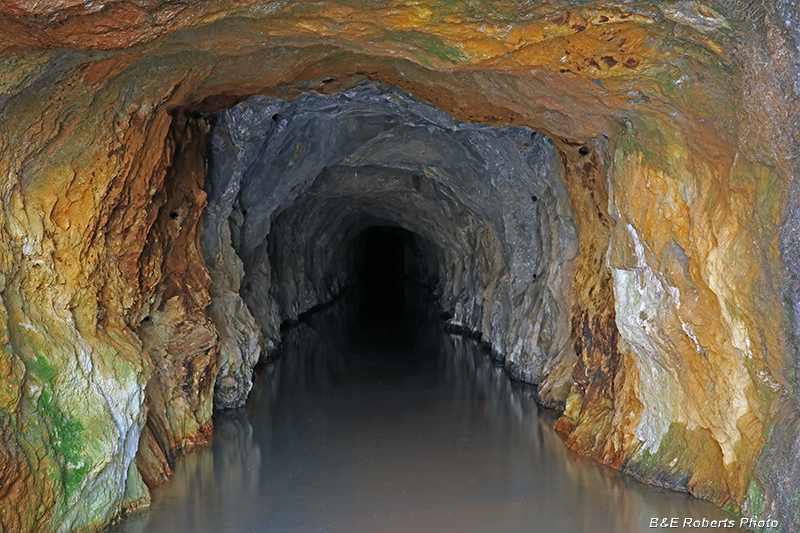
(782, 446)
(496, 232)
(175, 331)
(677, 129)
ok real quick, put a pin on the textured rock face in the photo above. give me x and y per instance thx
(494, 229)
(676, 128)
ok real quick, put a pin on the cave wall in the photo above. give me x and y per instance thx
(683, 294)
(313, 173)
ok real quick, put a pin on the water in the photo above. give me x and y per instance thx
(396, 429)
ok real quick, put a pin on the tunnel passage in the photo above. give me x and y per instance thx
(299, 188)
(381, 274)
(694, 101)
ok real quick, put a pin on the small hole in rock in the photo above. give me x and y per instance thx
(535, 198)
(583, 150)
(173, 215)
(244, 211)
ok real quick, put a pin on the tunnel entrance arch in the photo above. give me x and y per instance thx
(488, 204)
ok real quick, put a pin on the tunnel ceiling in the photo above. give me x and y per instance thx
(676, 129)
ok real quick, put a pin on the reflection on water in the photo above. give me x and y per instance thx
(351, 431)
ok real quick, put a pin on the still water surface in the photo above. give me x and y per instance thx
(406, 429)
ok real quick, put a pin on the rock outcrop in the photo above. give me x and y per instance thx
(664, 233)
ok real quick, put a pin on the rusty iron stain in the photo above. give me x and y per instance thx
(608, 60)
(631, 62)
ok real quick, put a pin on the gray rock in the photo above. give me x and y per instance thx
(294, 184)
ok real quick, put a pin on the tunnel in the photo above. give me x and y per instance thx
(600, 194)
(371, 189)
(381, 274)
(354, 195)
(372, 207)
